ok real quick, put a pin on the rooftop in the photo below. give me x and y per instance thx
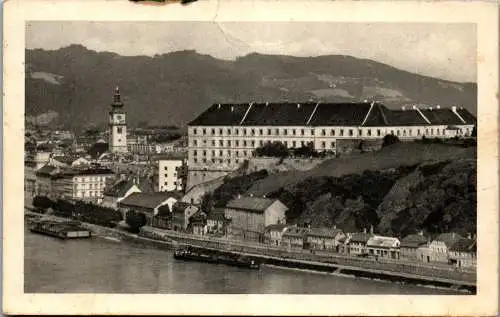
(464, 245)
(147, 200)
(448, 239)
(328, 114)
(413, 241)
(256, 204)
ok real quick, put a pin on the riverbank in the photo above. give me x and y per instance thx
(349, 266)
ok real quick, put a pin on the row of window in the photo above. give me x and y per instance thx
(88, 194)
(89, 186)
(252, 143)
(323, 132)
(90, 179)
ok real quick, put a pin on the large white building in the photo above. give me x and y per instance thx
(170, 174)
(117, 125)
(224, 135)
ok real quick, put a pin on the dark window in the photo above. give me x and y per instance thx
(323, 132)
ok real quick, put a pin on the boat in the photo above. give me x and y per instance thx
(189, 254)
(62, 230)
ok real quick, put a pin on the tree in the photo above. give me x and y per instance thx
(135, 220)
(390, 139)
(63, 208)
(306, 150)
(272, 149)
(42, 202)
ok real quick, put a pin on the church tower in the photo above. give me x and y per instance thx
(117, 125)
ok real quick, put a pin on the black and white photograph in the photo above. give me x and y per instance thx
(251, 157)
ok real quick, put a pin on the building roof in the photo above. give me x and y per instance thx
(120, 188)
(361, 237)
(46, 170)
(383, 242)
(276, 227)
(216, 215)
(413, 241)
(448, 239)
(147, 200)
(327, 114)
(345, 114)
(295, 232)
(256, 204)
(221, 115)
(464, 245)
(279, 114)
(442, 116)
(324, 232)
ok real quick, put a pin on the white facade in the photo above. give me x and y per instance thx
(168, 175)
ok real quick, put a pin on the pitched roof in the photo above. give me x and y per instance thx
(467, 116)
(413, 241)
(279, 114)
(295, 232)
(441, 116)
(448, 238)
(383, 242)
(120, 188)
(404, 117)
(324, 232)
(216, 215)
(326, 114)
(361, 237)
(46, 170)
(256, 204)
(147, 200)
(276, 227)
(346, 114)
(464, 245)
(221, 115)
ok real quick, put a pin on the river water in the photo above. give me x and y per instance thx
(100, 265)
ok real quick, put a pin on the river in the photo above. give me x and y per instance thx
(99, 265)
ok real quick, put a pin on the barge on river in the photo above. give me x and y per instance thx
(192, 254)
(61, 230)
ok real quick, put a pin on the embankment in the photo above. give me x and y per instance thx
(392, 270)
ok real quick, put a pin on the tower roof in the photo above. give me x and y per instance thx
(117, 102)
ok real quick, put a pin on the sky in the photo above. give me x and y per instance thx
(446, 51)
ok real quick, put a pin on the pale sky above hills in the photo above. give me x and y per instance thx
(446, 51)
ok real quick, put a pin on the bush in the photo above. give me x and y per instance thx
(42, 202)
(272, 149)
(63, 208)
(306, 151)
(135, 220)
(389, 140)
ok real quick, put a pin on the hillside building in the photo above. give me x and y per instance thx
(225, 135)
(117, 125)
(170, 174)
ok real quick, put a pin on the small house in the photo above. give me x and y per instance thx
(327, 239)
(217, 223)
(440, 245)
(463, 253)
(181, 213)
(384, 247)
(198, 223)
(415, 247)
(294, 237)
(149, 203)
(357, 243)
(274, 233)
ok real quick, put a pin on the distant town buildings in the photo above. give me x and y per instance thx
(225, 135)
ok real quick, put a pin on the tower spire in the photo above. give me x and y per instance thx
(117, 102)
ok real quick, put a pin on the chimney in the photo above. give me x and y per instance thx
(298, 106)
(371, 229)
(454, 108)
(364, 230)
(414, 107)
(430, 108)
(232, 108)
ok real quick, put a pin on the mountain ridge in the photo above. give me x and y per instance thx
(173, 88)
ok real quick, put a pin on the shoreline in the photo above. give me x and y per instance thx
(118, 235)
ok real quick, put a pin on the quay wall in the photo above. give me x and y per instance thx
(386, 266)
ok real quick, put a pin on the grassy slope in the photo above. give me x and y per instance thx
(402, 154)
